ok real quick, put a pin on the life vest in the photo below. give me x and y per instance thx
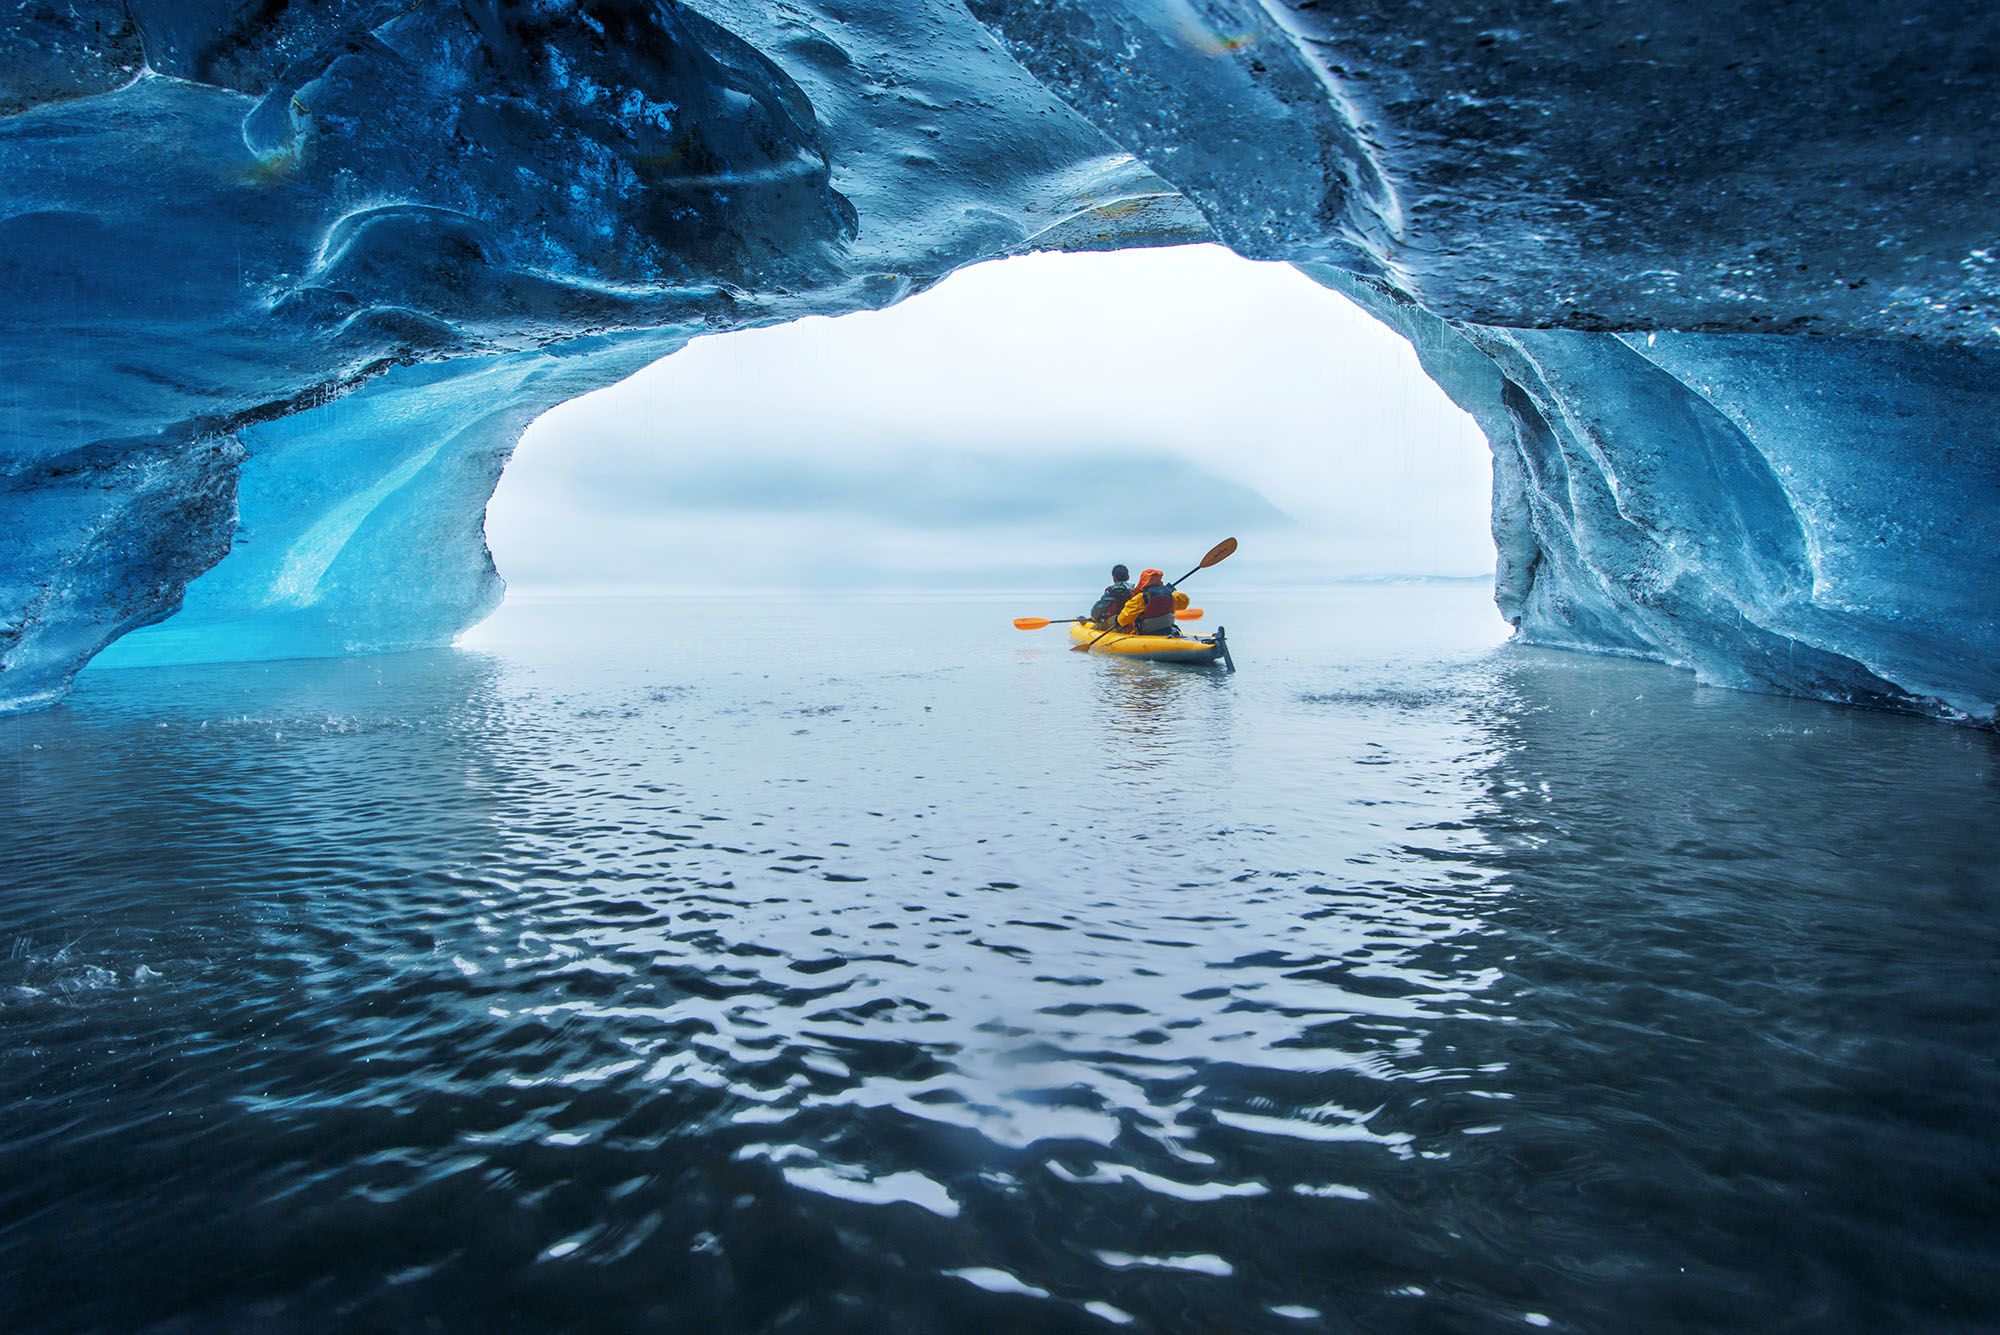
(1157, 616)
(1109, 603)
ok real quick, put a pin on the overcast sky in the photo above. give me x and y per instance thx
(1021, 421)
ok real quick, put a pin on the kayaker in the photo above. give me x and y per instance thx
(1150, 610)
(1112, 599)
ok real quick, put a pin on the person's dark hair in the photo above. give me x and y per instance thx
(1119, 574)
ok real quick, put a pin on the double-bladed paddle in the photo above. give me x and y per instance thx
(1039, 623)
(1216, 556)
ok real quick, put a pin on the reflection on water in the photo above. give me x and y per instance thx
(607, 976)
(1145, 712)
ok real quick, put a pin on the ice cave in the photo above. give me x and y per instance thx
(284, 284)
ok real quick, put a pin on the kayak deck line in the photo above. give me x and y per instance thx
(1196, 649)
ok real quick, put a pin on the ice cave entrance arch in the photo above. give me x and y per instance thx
(1019, 426)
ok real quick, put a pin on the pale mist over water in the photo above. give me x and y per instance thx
(1026, 423)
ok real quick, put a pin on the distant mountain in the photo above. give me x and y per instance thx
(947, 489)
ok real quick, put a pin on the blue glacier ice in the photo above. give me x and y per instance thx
(359, 523)
(284, 284)
(1774, 513)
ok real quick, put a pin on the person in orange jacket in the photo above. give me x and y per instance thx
(1150, 610)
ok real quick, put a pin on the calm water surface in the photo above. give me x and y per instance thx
(877, 967)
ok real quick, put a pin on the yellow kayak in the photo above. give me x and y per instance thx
(1153, 648)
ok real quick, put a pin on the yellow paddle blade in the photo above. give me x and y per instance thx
(1188, 614)
(1030, 623)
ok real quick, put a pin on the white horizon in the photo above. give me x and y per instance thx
(1023, 419)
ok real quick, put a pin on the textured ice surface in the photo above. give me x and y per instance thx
(282, 284)
(1814, 516)
(360, 522)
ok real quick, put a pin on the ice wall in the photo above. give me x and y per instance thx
(1780, 514)
(318, 266)
(283, 283)
(1594, 221)
(360, 524)
(273, 207)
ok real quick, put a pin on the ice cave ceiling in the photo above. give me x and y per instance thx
(284, 283)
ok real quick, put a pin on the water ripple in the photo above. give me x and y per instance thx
(516, 989)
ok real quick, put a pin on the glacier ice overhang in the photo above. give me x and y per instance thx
(284, 283)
